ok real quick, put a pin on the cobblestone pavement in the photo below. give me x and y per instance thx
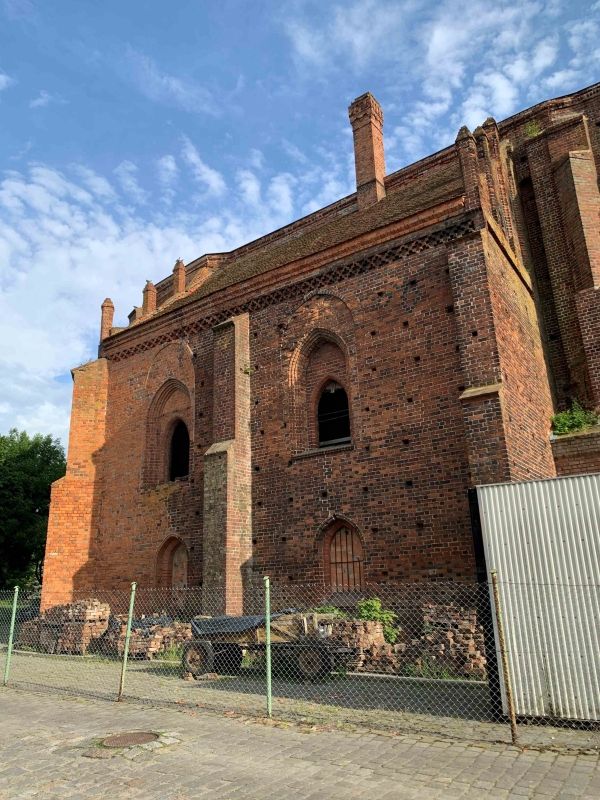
(450, 709)
(51, 748)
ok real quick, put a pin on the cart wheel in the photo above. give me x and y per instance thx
(198, 658)
(228, 659)
(312, 663)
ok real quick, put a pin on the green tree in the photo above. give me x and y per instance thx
(28, 465)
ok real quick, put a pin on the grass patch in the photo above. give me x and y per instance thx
(173, 652)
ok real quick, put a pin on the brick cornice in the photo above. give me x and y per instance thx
(192, 318)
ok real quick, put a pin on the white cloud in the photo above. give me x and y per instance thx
(492, 94)
(355, 31)
(66, 243)
(249, 187)
(5, 81)
(581, 68)
(280, 193)
(97, 184)
(294, 152)
(544, 54)
(160, 87)
(45, 99)
(206, 176)
(168, 172)
(441, 64)
(126, 174)
(561, 79)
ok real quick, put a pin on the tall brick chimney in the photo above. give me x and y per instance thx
(106, 320)
(366, 118)
(149, 301)
(179, 277)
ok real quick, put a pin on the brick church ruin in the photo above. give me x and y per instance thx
(315, 405)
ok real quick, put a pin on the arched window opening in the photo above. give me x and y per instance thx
(346, 560)
(179, 455)
(333, 415)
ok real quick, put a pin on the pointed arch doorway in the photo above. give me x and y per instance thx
(172, 564)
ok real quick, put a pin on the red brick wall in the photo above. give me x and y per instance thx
(404, 340)
(578, 453)
(134, 518)
(525, 395)
(403, 480)
(73, 518)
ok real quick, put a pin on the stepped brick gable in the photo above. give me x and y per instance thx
(316, 404)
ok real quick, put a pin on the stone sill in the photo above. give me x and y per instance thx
(320, 451)
(566, 437)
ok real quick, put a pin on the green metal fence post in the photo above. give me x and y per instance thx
(268, 644)
(127, 637)
(11, 634)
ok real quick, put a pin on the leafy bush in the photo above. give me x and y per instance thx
(372, 610)
(574, 419)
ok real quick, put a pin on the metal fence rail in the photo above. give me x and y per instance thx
(418, 657)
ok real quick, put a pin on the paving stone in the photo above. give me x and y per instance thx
(228, 759)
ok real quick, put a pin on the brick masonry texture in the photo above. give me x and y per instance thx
(457, 301)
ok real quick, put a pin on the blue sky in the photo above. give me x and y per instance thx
(133, 133)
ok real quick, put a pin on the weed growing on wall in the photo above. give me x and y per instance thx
(574, 419)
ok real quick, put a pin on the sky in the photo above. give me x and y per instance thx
(135, 133)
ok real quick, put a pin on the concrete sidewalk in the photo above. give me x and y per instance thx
(50, 748)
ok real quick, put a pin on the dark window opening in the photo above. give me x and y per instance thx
(333, 416)
(346, 560)
(179, 456)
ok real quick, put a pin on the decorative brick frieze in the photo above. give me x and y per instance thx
(327, 277)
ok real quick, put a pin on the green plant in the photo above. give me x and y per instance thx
(174, 652)
(574, 419)
(532, 129)
(372, 610)
(28, 467)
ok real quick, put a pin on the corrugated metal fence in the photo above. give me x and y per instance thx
(543, 538)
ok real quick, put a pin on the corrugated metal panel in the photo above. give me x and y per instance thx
(543, 538)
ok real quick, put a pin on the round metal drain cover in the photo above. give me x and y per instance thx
(129, 739)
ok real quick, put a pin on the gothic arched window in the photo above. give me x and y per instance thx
(179, 451)
(333, 415)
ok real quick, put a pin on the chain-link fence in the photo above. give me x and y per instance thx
(428, 658)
